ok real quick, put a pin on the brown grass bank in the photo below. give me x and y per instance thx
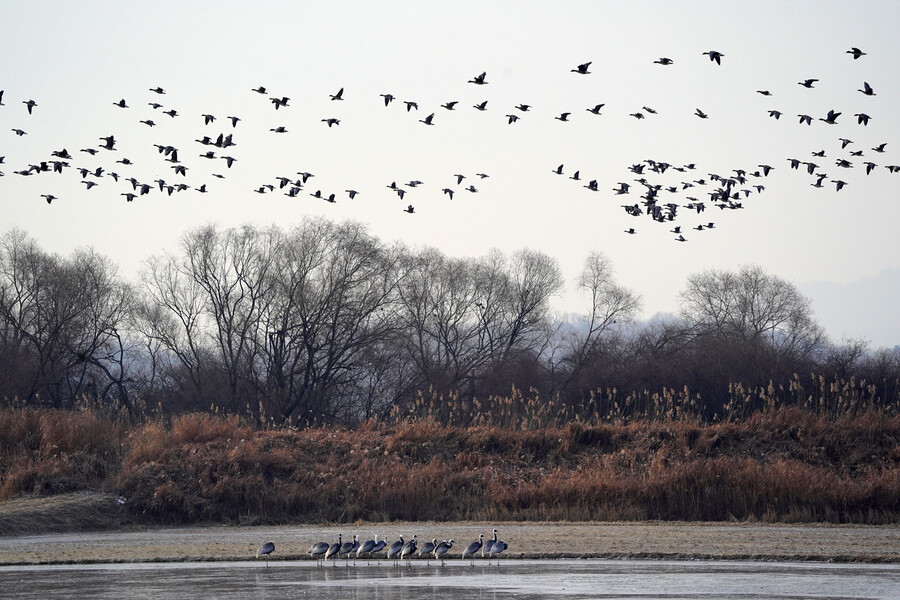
(780, 465)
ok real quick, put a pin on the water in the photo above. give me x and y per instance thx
(532, 579)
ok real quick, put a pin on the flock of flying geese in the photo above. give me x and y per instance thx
(397, 552)
(659, 202)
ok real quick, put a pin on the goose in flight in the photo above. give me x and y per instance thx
(234, 121)
(630, 231)
(410, 209)
(482, 175)
(592, 185)
(207, 119)
(172, 113)
(867, 89)
(856, 52)
(649, 110)
(563, 117)
(582, 69)
(482, 106)
(559, 170)
(279, 102)
(576, 176)
(48, 197)
(839, 184)
(479, 79)
(681, 238)
(831, 117)
(459, 178)
(260, 90)
(596, 109)
(870, 166)
(664, 61)
(29, 104)
(862, 118)
(448, 192)
(449, 105)
(411, 105)
(427, 120)
(878, 148)
(715, 55)
(279, 129)
(388, 98)
(121, 103)
(154, 105)
(844, 142)
(523, 107)
(472, 189)
(351, 193)
(512, 119)
(332, 121)
(158, 90)
(110, 141)
(339, 95)
(701, 114)
(148, 122)
(807, 83)
(775, 113)
(636, 115)
(764, 92)
(229, 160)
(805, 118)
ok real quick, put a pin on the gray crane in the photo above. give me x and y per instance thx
(333, 550)
(267, 549)
(441, 549)
(473, 549)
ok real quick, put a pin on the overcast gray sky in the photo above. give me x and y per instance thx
(840, 247)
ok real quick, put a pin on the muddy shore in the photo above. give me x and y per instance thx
(832, 543)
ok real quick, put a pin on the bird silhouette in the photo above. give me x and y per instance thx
(856, 52)
(449, 105)
(715, 55)
(664, 61)
(482, 105)
(867, 89)
(427, 120)
(807, 83)
(479, 79)
(862, 118)
(331, 121)
(582, 69)
(596, 109)
(563, 117)
(410, 209)
(701, 114)
(831, 117)
(121, 103)
(388, 98)
(29, 104)
(338, 96)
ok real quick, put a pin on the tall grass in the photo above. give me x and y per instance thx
(820, 453)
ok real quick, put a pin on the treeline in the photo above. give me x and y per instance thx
(325, 324)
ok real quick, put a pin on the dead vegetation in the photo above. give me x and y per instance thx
(776, 465)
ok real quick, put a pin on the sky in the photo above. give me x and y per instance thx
(75, 60)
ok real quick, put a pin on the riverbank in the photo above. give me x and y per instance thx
(647, 540)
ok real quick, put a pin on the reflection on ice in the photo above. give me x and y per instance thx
(565, 579)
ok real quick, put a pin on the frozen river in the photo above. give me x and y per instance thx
(565, 579)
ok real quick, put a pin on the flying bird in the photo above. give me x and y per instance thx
(715, 55)
(121, 103)
(339, 95)
(807, 83)
(427, 120)
(862, 118)
(449, 105)
(831, 117)
(332, 121)
(30, 104)
(856, 52)
(596, 109)
(388, 98)
(701, 114)
(479, 79)
(867, 89)
(482, 106)
(563, 117)
(582, 69)
(664, 61)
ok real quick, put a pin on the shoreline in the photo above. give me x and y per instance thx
(571, 540)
